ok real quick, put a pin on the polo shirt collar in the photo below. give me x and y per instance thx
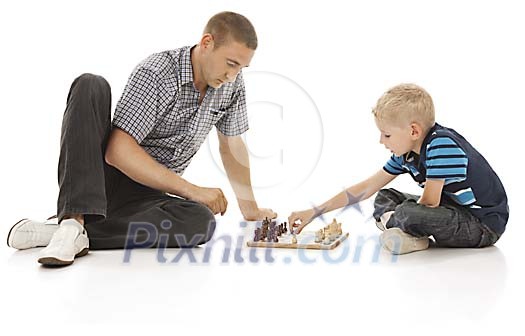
(427, 137)
(412, 156)
(185, 66)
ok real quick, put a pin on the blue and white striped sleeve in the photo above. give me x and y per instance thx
(394, 165)
(446, 160)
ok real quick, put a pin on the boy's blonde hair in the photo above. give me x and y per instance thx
(404, 104)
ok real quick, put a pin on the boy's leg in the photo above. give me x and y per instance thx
(388, 199)
(386, 202)
(149, 218)
(451, 225)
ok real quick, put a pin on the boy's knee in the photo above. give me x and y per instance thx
(389, 193)
(383, 202)
(383, 193)
(406, 213)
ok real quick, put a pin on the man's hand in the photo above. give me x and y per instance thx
(305, 217)
(213, 198)
(259, 214)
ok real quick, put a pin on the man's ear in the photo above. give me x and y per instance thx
(207, 41)
(416, 131)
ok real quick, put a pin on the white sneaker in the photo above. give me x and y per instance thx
(383, 219)
(399, 242)
(68, 242)
(28, 233)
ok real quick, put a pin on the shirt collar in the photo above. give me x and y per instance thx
(412, 156)
(186, 69)
(427, 138)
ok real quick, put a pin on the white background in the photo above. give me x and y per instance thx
(318, 71)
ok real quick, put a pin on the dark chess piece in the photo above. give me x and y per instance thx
(264, 230)
(257, 235)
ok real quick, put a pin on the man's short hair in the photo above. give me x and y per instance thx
(405, 104)
(226, 25)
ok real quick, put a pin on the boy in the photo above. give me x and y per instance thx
(463, 204)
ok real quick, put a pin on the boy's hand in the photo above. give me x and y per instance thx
(305, 217)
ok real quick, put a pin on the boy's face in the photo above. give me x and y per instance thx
(223, 64)
(398, 139)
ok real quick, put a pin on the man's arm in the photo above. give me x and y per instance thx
(237, 165)
(432, 193)
(349, 196)
(124, 153)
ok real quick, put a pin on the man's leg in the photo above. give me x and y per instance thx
(149, 218)
(85, 130)
(81, 169)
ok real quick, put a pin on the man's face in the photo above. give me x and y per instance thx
(397, 139)
(223, 64)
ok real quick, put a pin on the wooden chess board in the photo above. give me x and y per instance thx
(305, 240)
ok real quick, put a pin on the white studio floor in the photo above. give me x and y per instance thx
(348, 289)
(318, 72)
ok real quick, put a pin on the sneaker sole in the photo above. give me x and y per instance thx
(19, 223)
(52, 261)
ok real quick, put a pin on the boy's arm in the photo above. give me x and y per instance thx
(432, 193)
(349, 196)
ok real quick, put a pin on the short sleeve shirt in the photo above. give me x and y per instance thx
(160, 109)
(468, 178)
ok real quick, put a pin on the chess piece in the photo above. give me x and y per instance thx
(294, 239)
(257, 235)
(264, 229)
(319, 236)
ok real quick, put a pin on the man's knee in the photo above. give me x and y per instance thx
(204, 221)
(91, 82)
(197, 220)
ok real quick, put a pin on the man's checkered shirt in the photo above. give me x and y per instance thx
(159, 108)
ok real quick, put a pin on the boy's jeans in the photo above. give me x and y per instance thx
(450, 224)
(109, 200)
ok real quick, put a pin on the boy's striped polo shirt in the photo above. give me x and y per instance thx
(469, 179)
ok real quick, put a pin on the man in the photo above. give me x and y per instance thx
(112, 175)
